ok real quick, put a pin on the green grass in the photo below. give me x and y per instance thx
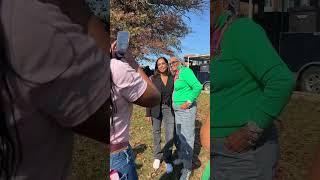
(299, 131)
(89, 160)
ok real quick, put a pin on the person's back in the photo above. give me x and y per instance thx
(130, 85)
(57, 79)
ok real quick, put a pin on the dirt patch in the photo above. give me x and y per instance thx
(299, 132)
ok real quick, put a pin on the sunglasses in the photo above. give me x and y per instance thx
(173, 63)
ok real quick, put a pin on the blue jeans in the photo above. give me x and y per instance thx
(123, 162)
(259, 163)
(185, 127)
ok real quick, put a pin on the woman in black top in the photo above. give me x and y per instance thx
(163, 80)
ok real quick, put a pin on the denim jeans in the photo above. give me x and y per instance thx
(185, 129)
(123, 162)
(167, 119)
(259, 163)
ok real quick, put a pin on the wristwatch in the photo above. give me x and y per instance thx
(253, 127)
(254, 131)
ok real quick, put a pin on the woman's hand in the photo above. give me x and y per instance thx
(128, 56)
(243, 139)
(149, 119)
(239, 141)
(113, 49)
(185, 105)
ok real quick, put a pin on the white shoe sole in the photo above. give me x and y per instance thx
(156, 164)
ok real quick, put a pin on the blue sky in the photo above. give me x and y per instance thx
(198, 41)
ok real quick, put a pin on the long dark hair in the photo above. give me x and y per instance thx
(156, 70)
(7, 145)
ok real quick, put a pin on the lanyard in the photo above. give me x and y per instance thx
(219, 34)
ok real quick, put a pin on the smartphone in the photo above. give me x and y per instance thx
(122, 43)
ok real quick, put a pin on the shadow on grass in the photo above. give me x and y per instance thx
(172, 176)
(197, 146)
(196, 163)
(139, 166)
(139, 149)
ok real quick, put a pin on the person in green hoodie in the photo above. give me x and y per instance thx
(187, 88)
(250, 87)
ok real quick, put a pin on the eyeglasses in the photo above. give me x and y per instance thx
(173, 63)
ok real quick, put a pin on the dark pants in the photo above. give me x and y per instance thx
(259, 163)
(169, 125)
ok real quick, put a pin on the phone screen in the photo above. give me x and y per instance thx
(122, 43)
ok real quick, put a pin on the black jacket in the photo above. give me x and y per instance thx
(156, 110)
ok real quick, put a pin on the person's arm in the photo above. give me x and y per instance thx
(194, 83)
(97, 122)
(151, 96)
(148, 110)
(67, 78)
(253, 49)
(205, 134)
(315, 170)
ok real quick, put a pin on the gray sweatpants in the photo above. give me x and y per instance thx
(259, 163)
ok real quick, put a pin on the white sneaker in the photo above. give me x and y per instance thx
(156, 164)
(169, 168)
(185, 174)
(177, 162)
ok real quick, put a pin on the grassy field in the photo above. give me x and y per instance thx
(89, 160)
(299, 131)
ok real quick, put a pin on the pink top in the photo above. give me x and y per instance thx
(128, 87)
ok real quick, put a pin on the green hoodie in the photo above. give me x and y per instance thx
(249, 81)
(186, 87)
